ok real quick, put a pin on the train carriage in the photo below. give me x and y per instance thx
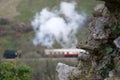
(63, 52)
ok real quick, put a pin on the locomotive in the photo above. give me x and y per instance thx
(12, 53)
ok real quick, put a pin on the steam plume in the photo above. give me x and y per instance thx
(58, 25)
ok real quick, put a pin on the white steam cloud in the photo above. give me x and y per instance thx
(58, 25)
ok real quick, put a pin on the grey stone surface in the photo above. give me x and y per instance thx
(65, 71)
(98, 28)
(117, 42)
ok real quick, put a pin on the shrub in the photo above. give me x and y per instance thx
(9, 71)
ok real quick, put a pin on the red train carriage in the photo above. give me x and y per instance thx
(68, 54)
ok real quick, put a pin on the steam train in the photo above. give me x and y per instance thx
(12, 53)
(63, 52)
(47, 53)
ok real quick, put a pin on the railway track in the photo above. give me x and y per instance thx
(41, 59)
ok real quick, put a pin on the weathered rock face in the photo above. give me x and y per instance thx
(104, 45)
(84, 56)
(98, 10)
(65, 71)
(99, 28)
(117, 42)
(114, 8)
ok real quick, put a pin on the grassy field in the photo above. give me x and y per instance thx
(28, 8)
(24, 10)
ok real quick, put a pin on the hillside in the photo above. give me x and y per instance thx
(15, 22)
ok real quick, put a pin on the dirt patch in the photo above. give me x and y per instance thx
(8, 8)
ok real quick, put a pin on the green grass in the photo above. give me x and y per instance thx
(87, 5)
(28, 8)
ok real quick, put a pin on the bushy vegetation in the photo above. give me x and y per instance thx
(10, 71)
